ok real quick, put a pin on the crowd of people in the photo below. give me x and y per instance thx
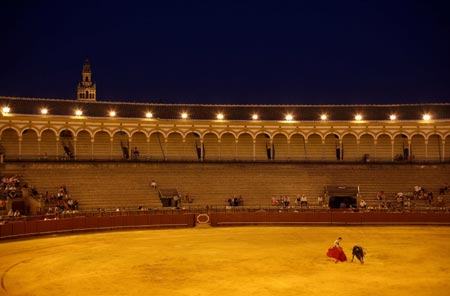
(10, 187)
(235, 201)
(299, 201)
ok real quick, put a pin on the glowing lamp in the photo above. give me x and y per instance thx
(358, 117)
(6, 110)
(289, 117)
(149, 115)
(44, 111)
(184, 115)
(393, 117)
(255, 116)
(426, 117)
(220, 116)
(78, 112)
(323, 117)
(112, 113)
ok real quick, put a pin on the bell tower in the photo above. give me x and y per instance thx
(86, 90)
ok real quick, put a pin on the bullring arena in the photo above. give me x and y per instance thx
(119, 198)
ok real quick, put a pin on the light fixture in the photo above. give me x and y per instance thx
(255, 116)
(78, 112)
(323, 117)
(220, 116)
(358, 117)
(184, 115)
(6, 110)
(393, 117)
(112, 113)
(289, 117)
(149, 115)
(44, 111)
(426, 117)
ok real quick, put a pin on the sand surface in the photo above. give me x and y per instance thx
(407, 260)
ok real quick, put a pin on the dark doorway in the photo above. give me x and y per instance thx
(342, 202)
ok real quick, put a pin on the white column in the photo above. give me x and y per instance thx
(254, 149)
(39, 147)
(20, 147)
(392, 149)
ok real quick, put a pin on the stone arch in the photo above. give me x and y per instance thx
(157, 146)
(280, 147)
(434, 148)
(383, 149)
(10, 143)
(90, 132)
(331, 148)
(10, 129)
(446, 149)
(211, 146)
(418, 148)
(314, 148)
(228, 148)
(192, 149)
(84, 145)
(227, 132)
(139, 142)
(297, 151)
(367, 147)
(102, 145)
(174, 146)
(120, 145)
(48, 145)
(66, 144)
(245, 147)
(29, 145)
(350, 148)
(262, 147)
(401, 150)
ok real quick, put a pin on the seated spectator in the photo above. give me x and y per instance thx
(286, 201)
(240, 200)
(320, 200)
(363, 204)
(440, 201)
(303, 201)
(274, 201)
(153, 184)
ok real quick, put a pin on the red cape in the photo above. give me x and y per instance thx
(337, 253)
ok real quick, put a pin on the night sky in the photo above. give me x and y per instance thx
(262, 52)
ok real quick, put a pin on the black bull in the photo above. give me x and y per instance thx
(359, 253)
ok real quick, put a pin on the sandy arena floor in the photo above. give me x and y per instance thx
(230, 261)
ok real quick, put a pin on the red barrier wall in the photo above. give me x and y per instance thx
(348, 218)
(34, 227)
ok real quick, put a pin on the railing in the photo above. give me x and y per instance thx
(155, 160)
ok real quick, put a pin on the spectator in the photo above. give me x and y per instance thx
(153, 184)
(304, 201)
(135, 153)
(363, 204)
(176, 200)
(320, 200)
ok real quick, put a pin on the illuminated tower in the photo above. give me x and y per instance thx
(86, 90)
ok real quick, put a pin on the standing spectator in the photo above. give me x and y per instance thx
(135, 153)
(176, 200)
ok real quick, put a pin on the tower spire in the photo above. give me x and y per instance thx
(86, 90)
